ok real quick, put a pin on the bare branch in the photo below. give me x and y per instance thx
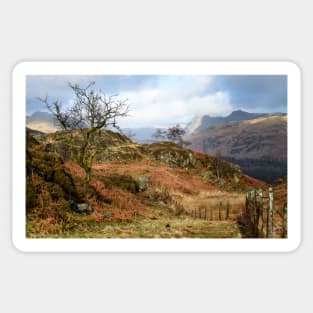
(89, 112)
(55, 108)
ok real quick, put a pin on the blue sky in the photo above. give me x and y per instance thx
(166, 100)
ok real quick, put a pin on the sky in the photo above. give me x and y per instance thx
(162, 101)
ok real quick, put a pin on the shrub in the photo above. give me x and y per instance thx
(31, 196)
(125, 182)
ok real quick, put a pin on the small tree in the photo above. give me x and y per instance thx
(176, 134)
(90, 112)
(217, 164)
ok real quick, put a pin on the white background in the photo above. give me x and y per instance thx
(155, 30)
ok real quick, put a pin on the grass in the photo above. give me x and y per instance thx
(183, 227)
(213, 202)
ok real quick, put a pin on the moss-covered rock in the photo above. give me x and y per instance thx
(49, 167)
(144, 182)
(172, 154)
(105, 145)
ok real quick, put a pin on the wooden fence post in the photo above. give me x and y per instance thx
(285, 222)
(247, 204)
(227, 210)
(211, 213)
(270, 213)
(253, 209)
(219, 211)
(260, 213)
(205, 213)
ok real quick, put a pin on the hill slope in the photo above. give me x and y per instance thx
(256, 144)
(131, 183)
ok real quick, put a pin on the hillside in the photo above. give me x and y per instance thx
(136, 190)
(200, 123)
(258, 144)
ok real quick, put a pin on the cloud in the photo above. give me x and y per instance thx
(254, 93)
(174, 103)
(56, 86)
(170, 99)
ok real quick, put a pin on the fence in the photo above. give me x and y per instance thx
(259, 213)
(221, 212)
(258, 217)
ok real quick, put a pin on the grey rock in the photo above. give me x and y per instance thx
(81, 208)
(107, 214)
(73, 205)
(84, 208)
(143, 182)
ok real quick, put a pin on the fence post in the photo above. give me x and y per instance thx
(205, 213)
(270, 213)
(211, 212)
(260, 213)
(285, 221)
(227, 210)
(219, 211)
(247, 204)
(253, 207)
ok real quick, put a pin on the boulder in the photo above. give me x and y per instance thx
(143, 182)
(81, 208)
(73, 205)
(84, 208)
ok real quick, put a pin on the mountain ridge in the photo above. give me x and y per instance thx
(44, 122)
(200, 123)
(259, 142)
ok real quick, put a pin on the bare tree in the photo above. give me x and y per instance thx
(218, 164)
(90, 112)
(176, 134)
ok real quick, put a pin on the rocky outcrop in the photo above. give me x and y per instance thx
(107, 145)
(173, 155)
(143, 182)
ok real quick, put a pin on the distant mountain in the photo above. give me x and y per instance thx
(33, 132)
(45, 123)
(143, 135)
(200, 123)
(258, 144)
(41, 121)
